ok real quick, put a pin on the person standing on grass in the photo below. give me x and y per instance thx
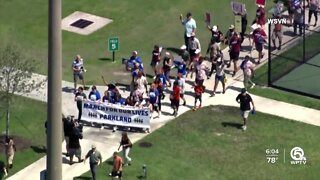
(78, 71)
(220, 76)
(79, 97)
(248, 72)
(190, 27)
(313, 9)
(245, 99)
(126, 147)
(175, 98)
(117, 167)
(10, 150)
(198, 90)
(95, 159)
(234, 52)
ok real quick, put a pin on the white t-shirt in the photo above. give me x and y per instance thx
(189, 25)
(141, 83)
(247, 68)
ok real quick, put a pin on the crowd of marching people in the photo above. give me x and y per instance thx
(192, 66)
(191, 63)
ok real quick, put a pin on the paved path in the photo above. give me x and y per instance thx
(107, 142)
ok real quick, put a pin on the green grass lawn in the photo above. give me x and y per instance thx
(286, 62)
(212, 147)
(27, 121)
(139, 24)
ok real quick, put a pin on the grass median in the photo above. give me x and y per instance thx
(28, 131)
(208, 144)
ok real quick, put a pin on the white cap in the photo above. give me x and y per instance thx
(183, 47)
(167, 54)
(214, 28)
(197, 51)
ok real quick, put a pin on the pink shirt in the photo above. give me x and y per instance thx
(201, 69)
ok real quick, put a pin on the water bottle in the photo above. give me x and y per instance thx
(253, 111)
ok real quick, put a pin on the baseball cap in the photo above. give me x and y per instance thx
(231, 26)
(214, 28)
(197, 51)
(93, 146)
(243, 90)
(183, 47)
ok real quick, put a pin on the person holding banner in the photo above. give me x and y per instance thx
(126, 146)
(79, 97)
(190, 27)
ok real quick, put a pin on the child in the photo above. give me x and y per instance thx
(175, 98)
(198, 90)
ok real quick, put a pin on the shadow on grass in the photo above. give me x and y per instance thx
(110, 163)
(174, 49)
(105, 59)
(67, 89)
(231, 124)
(39, 149)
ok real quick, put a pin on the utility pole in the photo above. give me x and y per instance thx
(54, 111)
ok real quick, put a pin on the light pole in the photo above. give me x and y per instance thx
(54, 111)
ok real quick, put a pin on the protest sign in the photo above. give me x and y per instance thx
(238, 8)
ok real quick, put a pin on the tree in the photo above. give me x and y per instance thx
(16, 77)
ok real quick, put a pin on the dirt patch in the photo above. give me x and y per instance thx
(20, 142)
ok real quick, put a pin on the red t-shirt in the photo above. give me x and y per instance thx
(235, 44)
(176, 93)
(261, 16)
(198, 89)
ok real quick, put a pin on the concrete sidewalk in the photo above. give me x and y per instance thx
(107, 142)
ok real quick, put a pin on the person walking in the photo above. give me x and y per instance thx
(154, 98)
(201, 71)
(313, 9)
(244, 99)
(95, 159)
(198, 91)
(79, 97)
(155, 60)
(167, 64)
(277, 33)
(126, 146)
(175, 98)
(78, 70)
(74, 143)
(190, 27)
(259, 39)
(298, 20)
(248, 72)
(10, 150)
(234, 51)
(220, 76)
(213, 50)
(117, 167)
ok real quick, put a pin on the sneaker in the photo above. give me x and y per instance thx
(224, 91)
(212, 94)
(244, 127)
(194, 109)
(110, 174)
(252, 86)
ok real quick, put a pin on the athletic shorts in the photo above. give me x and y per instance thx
(220, 78)
(10, 158)
(259, 47)
(245, 114)
(75, 152)
(234, 55)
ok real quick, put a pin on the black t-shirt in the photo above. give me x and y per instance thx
(244, 101)
(216, 36)
(67, 128)
(79, 97)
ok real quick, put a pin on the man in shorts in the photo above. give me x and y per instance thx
(277, 33)
(245, 99)
(234, 52)
(78, 70)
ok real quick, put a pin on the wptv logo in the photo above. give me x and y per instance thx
(274, 21)
(297, 156)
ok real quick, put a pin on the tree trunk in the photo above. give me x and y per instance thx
(7, 117)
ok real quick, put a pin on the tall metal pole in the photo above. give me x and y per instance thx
(269, 54)
(304, 31)
(54, 112)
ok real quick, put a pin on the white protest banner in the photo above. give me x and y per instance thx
(238, 8)
(116, 115)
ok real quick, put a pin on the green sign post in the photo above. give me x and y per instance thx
(113, 46)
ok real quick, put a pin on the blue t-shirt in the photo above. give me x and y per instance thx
(136, 59)
(182, 67)
(163, 79)
(94, 95)
(153, 96)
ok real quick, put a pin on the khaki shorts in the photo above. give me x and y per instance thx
(75, 152)
(10, 158)
(245, 114)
